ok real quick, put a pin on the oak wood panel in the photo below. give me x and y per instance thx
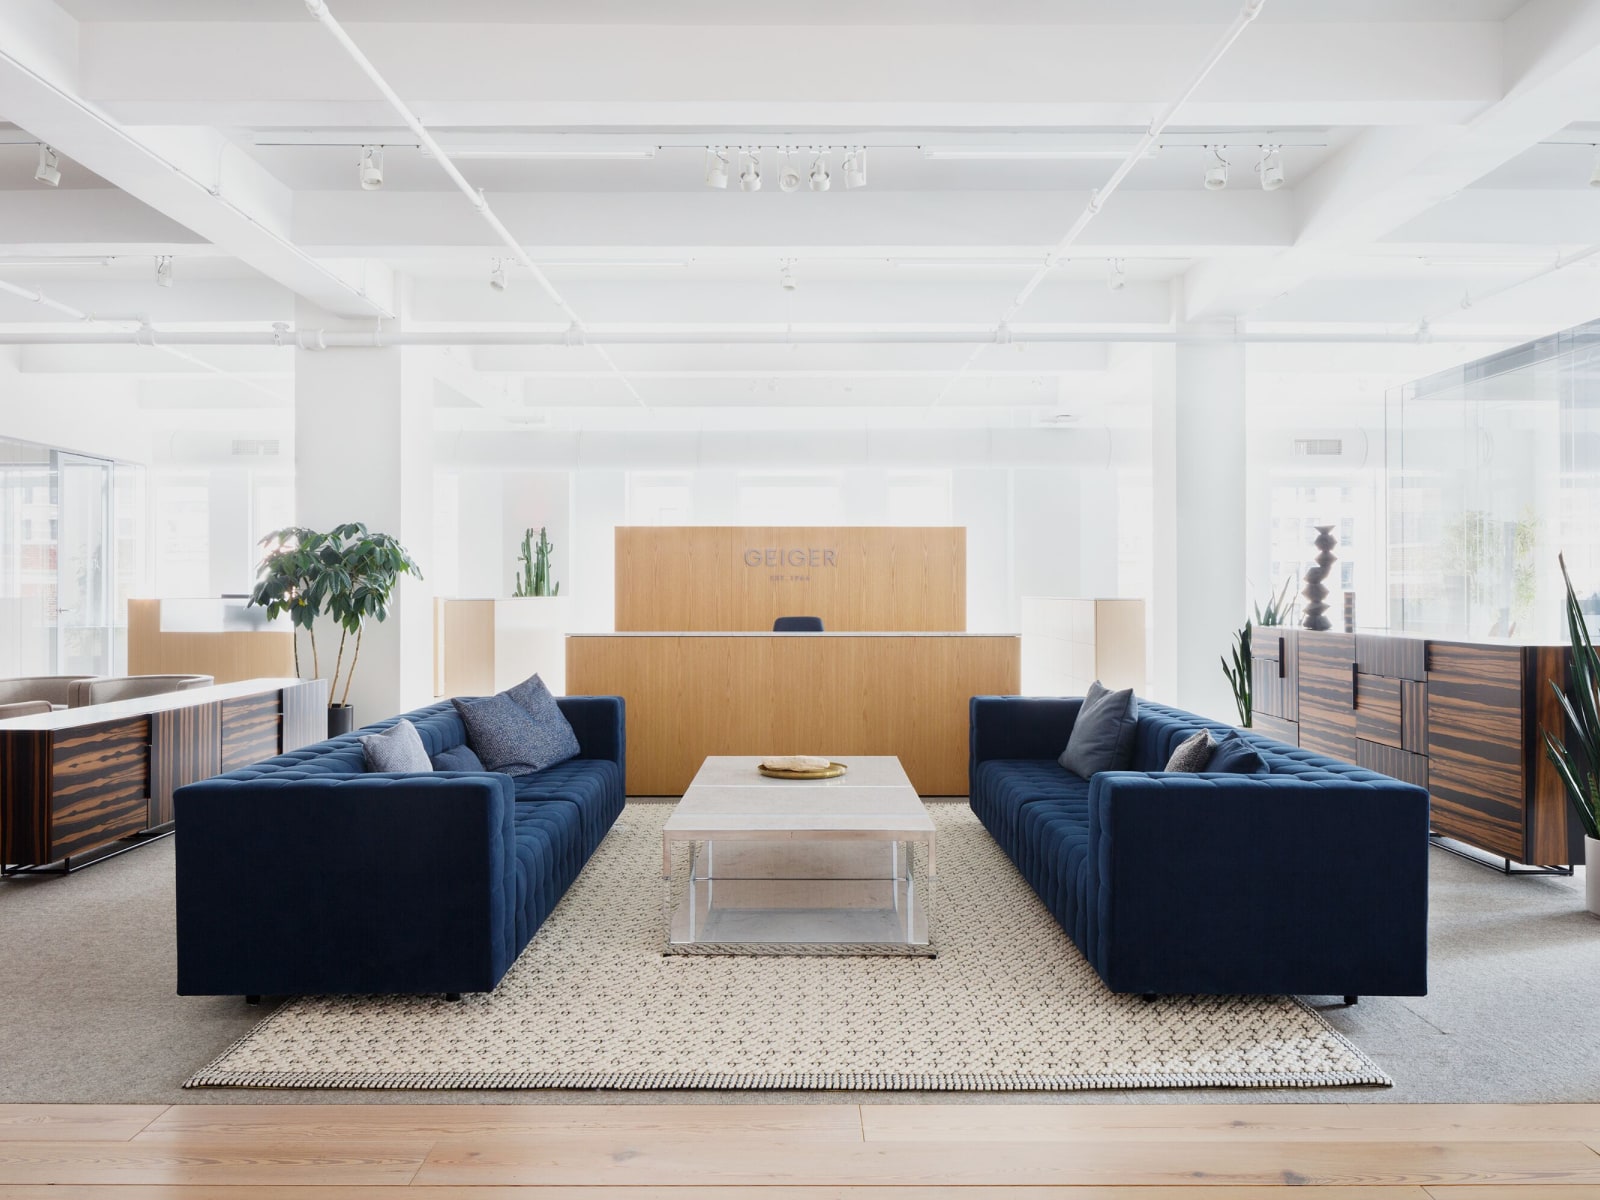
(25, 779)
(689, 697)
(75, 1122)
(1421, 1123)
(1326, 693)
(1378, 709)
(305, 714)
(1554, 834)
(226, 657)
(358, 1122)
(748, 1161)
(1475, 745)
(766, 1192)
(100, 789)
(185, 747)
(251, 729)
(1276, 728)
(1392, 761)
(856, 578)
(210, 1162)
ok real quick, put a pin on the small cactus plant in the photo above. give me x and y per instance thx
(534, 579)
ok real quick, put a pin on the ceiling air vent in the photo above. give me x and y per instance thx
(1318, 447)
(255, 447)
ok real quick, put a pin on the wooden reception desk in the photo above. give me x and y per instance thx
(690, 695)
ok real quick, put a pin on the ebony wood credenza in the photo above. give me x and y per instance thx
(1460, 718)
(73, 782)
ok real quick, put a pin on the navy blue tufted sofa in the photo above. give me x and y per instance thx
(306, 875)
(1309, 880)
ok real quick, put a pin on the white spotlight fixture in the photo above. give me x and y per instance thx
(789, 179)
(1216, 170)
(497, 274)
(1594, 175)
(821, 181)
(855, 168)
(786, 274)
(49, 168)
(750, 171)
(1270, 169)
(164, 270)
(371, 169)
(1116, 275)
(717, 166)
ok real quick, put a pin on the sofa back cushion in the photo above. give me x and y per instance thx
(1102, 736)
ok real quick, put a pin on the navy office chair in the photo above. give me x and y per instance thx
(797, 625)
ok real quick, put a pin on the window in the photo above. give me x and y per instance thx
(660, 498)
(919, 498)
(791, 500)
(182, 536)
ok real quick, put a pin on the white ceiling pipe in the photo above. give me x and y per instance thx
(337, 339)
(319, 9)
(140, 335)
(1097, 200)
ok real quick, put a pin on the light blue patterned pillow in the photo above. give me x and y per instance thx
(559, 743)
(398, 748)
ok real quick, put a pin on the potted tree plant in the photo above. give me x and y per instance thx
(348, 574)
(1577, 756)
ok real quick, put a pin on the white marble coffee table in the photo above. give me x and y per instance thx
(786, 866)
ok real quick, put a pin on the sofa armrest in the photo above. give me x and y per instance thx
(345, 884)
(599, 722)
(1020, 726)
(1258, 883)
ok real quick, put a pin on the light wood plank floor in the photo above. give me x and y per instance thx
(802, 1152)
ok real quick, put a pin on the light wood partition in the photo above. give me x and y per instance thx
(701, 578)
(690, 696)
(226, 657)
(487, 646)
(1068, 643)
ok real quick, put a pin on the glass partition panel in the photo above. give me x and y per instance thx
(28, 519)
(1493, 473)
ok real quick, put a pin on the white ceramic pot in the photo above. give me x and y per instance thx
(1591, 875)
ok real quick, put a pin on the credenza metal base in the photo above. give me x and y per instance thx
(76, 862)
(1494, 862)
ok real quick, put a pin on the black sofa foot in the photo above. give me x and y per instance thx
(1147, 997)
(452, 996)
(1351, 1001)
(252, 1000)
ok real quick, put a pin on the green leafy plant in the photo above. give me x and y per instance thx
(348, 574)
(1238, 673)
(1279, 607)
(534, 579)
(292, 579)
(1581, 707)
(363, 568)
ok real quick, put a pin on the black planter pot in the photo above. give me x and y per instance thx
(341, 719)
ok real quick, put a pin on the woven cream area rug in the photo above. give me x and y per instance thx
(1008, 1005)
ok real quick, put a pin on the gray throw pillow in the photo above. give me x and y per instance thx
(397, 748)
(1193, 753)
(1102, 736)
(558, 742)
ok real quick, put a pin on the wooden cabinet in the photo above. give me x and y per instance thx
(73, 782)
(1459, 718)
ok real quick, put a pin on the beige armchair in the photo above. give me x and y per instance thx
(26, 708)
(54, 690)
(132, 687)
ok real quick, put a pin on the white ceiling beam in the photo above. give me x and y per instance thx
(1387, 177)
(622, 75)
(191, 174)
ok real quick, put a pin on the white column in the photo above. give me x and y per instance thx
(364, 452)
(1198, 461)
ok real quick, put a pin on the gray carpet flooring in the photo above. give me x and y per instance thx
(88, 1013)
